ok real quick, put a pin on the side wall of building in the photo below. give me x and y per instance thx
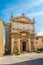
(1, 38)
(8, 39)
(39, 42)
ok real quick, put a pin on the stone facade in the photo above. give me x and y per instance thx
(8, 38)
(22, 34)
(1, 38)
(39, 42)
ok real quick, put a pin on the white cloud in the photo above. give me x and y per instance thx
(36, 13)
(22, 6)
(40, 33)
(36, 3)
(9, 9)
(31, 4)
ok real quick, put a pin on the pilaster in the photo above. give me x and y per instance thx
(19, 44)
(12, 45)
(29, 43)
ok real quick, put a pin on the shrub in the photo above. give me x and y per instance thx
(41, 49)
(18, 53)
(38, 51)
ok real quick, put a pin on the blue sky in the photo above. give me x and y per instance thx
(31, 8)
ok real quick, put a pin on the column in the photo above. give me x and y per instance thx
(29, 44)
(12, 45)
(35, 44)
(18, 44)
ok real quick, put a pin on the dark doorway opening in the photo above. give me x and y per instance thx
(24, 46)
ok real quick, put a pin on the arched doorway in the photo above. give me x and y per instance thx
(24, 46)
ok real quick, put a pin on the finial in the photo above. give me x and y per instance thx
(11, 15)
(33, 19)
(23, 14)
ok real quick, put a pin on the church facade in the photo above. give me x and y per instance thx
(20, 34)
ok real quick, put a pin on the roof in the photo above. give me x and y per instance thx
(7, 24)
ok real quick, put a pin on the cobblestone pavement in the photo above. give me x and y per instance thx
(24, 59)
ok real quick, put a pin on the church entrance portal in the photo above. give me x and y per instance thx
(24, 46)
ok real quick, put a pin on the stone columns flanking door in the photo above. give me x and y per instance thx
(18, 44)
(29, 43)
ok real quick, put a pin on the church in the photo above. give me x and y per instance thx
(20, 34)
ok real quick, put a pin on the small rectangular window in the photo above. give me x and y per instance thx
(36, 42)
(42, 40)
(36, 38)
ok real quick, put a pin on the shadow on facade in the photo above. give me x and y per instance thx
(7, 53)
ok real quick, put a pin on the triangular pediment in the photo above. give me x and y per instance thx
(23, 19)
